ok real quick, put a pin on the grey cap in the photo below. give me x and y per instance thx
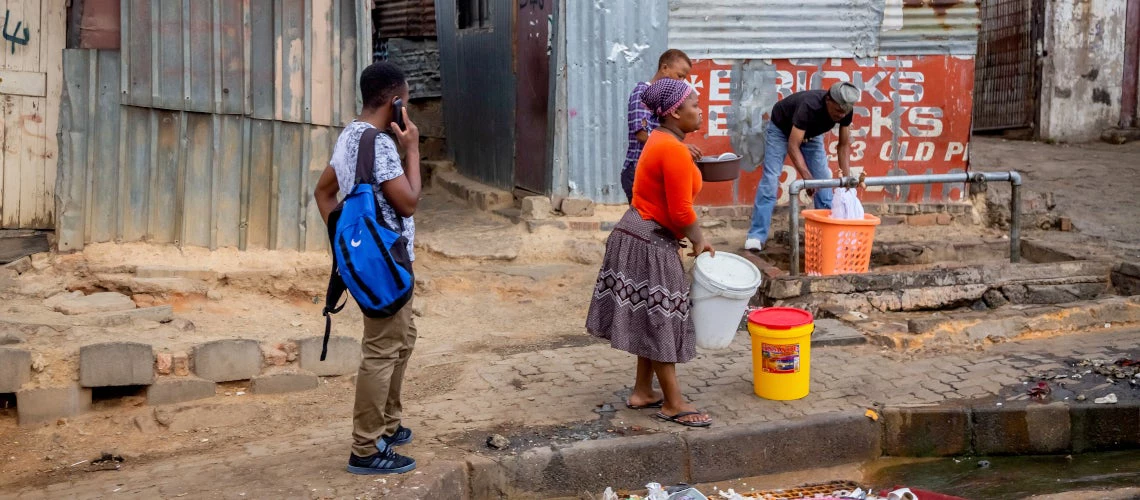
(845, 94)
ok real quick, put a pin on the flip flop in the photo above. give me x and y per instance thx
(656, 404)
(676, 419)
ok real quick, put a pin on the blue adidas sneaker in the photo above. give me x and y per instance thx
(384, 461)
(402, 437)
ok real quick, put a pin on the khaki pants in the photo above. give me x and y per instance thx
(387, 345)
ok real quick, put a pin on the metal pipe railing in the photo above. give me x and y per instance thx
(1013, 178)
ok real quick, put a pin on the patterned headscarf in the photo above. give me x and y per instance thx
(665, 96)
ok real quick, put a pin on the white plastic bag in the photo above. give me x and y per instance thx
(845, 205)
(656, 492)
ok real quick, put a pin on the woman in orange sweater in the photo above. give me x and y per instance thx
(641, 300)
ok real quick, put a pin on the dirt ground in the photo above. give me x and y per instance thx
(486, 286)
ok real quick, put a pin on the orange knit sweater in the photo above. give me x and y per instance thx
(666, 182)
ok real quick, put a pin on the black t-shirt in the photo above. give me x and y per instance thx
(808, 111)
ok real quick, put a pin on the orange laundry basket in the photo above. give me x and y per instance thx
(837, 246)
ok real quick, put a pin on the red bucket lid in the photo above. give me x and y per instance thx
(780, 318)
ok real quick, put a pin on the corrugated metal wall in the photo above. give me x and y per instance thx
(406, 18)
(477, 65)
(287, 60)
(223, 178)
(610, 45)
(770, 29)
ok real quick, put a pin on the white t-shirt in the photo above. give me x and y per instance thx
(387, 168)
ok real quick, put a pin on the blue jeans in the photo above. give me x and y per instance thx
(775, 150)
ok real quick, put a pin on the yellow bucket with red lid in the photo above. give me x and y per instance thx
(781, 352)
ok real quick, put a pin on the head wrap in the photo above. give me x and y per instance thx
(665, 96)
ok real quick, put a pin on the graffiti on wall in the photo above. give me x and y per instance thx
(913, 118)
(14, 38)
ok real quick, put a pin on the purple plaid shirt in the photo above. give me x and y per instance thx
(640, 118)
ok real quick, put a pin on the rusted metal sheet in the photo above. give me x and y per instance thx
(479, 91)
(406, 18)
(610, 46)
(772, 29)
(99, 24)
(131, 173)
(1005, 84)
(532, 65)
(913, 118)
(31, 75)
(288, 60)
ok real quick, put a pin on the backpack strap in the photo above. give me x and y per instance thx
(335, 290)
(365, 171)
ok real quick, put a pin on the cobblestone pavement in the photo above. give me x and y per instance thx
(515, 393)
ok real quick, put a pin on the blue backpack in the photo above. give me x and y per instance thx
(370, 259)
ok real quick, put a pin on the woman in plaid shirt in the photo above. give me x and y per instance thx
(672, 64)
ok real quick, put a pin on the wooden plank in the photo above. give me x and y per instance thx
(32, 163)
(23, 83)
(347, 58)
(22, 24)
(18, 244)
(54, 23)
(321, 68)
(10, 211)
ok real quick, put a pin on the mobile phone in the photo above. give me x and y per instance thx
(398, 109)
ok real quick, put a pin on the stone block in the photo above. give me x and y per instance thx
(785, 288)
(577, 207)
(1105, 427)
(535, 226)
(95, 303)
(586, 252)
(116, 364)
(161, 314)
(994, 299)
(892, 220)
(279, 383)
(188, 272)
(620, 463)
(830, 332)
(1065, 223)
(15, 369)
(227, 360)
(922, 220)
(926, 432)
(181, 362)
(536, 208)
(164, 363)
(585, 225)
(21, 265)
(945, 219)
(771, 448)
(1035, 429)
(343, 356)
(48, 404)
(166, 391)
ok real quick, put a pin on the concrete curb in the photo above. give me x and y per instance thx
(723, 453)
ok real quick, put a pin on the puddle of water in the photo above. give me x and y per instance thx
(1012, 477)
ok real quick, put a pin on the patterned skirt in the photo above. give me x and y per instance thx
(641, 300)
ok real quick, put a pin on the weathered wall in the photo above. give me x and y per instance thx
(1084, 68)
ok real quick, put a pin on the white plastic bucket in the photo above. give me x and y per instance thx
(722, 287)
